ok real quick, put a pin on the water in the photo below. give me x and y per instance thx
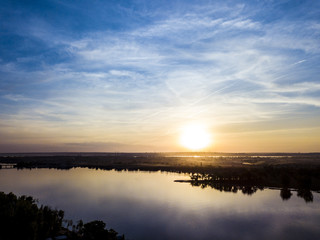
(150, 205)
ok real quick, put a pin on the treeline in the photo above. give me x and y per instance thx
(22, 218)
(269, 176)
(249, 180)
(154, 162)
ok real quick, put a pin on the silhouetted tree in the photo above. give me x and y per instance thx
(21, 218)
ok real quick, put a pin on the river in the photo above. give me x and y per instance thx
(150, 205)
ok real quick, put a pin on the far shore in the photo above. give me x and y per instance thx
(177, 162)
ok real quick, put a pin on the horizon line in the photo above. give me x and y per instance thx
(155, 152)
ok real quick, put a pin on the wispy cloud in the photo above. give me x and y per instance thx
(218, 63)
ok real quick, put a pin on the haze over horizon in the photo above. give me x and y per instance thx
(128, 76)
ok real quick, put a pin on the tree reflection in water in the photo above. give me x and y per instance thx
(285, 193)
(306, 194)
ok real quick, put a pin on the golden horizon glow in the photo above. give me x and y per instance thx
(195, 137)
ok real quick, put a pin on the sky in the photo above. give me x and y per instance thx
(127, 76)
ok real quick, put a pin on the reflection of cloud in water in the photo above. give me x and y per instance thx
(146, 205)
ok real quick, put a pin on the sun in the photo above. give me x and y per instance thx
(195, 137)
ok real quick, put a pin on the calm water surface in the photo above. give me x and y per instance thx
(144, 205)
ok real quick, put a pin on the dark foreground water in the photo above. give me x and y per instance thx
(144, 205)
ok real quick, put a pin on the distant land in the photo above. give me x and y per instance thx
(165, 161)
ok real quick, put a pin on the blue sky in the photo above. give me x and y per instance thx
(127, 75)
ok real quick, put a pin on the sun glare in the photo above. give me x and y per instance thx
(195, 137)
